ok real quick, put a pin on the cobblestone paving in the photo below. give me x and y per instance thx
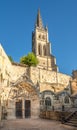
(34, 124)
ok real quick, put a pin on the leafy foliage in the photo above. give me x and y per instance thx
(10, 58)
(29, 60)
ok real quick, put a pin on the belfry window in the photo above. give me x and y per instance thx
(39, 49)
(1, 77)
(39, 36)
(43, 37)
(44, 50)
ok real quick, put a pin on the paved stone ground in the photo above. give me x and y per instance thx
(34, 124)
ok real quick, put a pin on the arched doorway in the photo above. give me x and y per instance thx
(46, 102)
(26, 99)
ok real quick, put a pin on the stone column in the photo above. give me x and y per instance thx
(11, 110)
(35, 108)
(23, 108)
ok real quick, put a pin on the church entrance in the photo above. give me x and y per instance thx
(26, 97)
(19, 109)
(27, 108)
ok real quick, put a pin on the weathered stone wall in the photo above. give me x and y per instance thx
(74, 86)
(45, 87)
(47, 62)
(10, 71)
(4, 60)
(47, 78)
(35, 107)
(5, 67)
(18, 71)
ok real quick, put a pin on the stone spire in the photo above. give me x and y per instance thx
(39, 22)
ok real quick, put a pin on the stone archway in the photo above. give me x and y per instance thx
(25, 98)
(46, 101)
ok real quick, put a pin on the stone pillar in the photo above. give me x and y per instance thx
(23, 108)
(35, 108)
(11, 111)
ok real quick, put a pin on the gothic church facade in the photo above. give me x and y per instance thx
(24, 91)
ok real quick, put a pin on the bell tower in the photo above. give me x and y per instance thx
(41, 45)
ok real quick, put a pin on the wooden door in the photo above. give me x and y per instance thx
(27, 108)
(19, 109)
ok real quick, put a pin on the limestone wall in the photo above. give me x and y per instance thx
(5, 66)
(47, 62)
(4, 60)
(9, 72)
(45, 86)
(18, 71)
(50, 77)
(74, 86)
(14, 71)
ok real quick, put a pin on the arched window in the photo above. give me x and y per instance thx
(48, 101)
(39, 49)
(39, 36)
(44, 50)
(1, 77)
(66, 100)
(43, 37)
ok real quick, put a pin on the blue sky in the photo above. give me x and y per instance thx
(17, 20)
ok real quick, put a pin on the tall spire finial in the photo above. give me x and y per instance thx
(39, 20)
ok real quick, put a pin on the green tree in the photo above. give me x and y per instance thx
(29, 60)
(10, 58)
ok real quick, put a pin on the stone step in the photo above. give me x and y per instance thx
(71, 124)
(74, 119)
(74, 122)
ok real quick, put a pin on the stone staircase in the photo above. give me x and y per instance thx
(71, 119)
